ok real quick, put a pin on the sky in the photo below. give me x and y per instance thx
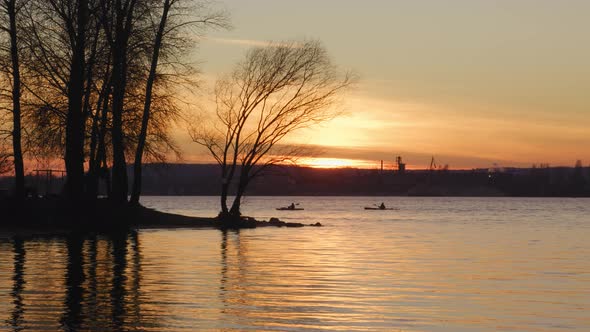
(470, 83)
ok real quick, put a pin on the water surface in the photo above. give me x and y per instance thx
(436, 264)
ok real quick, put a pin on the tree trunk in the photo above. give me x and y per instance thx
(91, 180)
(19, 171)
(97, 144)
(137, 171)
(242, 184)
(235, 207)
(119, 164)
(123, 30)
(107, 177)
(226, 178)
(74, 156)
(224, 191)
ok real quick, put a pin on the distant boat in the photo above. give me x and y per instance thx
(377, 208)
(286, 208)
(292, 207)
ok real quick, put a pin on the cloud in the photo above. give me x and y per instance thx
(244, 42)
(250, 42)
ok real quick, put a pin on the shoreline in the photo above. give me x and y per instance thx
(50, 216)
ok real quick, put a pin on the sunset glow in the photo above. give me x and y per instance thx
(437, 82)
(335, 163)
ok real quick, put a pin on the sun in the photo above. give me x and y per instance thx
(331, 163)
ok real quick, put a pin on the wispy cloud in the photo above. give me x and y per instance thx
(244, 42)
(250, 42)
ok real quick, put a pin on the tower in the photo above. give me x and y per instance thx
(401, 167)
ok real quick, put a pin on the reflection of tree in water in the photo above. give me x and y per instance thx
(136, 275)
(103, 282)
(222, 285)
(232, 293)
(92, 298)
(18, 286)
(71, 319)
(118, 291)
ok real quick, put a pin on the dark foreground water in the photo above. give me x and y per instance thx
(436, 264)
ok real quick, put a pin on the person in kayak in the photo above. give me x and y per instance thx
(291, 207)
(382, 206)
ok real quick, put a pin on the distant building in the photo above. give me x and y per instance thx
(401, 167)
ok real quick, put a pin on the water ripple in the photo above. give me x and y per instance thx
(433, 265)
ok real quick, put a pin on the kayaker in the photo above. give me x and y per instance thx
(382, 206)
(292, 206)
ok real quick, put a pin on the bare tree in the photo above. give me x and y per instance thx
(97, 82)
(74, 153)
(164, 29)
(55, 39)
(11, 9)
(275, 91)
(118, 36)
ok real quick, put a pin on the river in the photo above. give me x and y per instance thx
(433, 264)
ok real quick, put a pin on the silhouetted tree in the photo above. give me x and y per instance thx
(56, 38)
(275, 91)
(10, 10)
(164, 29)
(74, 152)
(118, 36)
(99, 83)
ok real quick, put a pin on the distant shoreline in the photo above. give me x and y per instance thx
(204, 180)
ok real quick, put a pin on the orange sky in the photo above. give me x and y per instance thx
(471, 83)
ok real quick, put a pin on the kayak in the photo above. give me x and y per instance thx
(289, 209)
(376, 208)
